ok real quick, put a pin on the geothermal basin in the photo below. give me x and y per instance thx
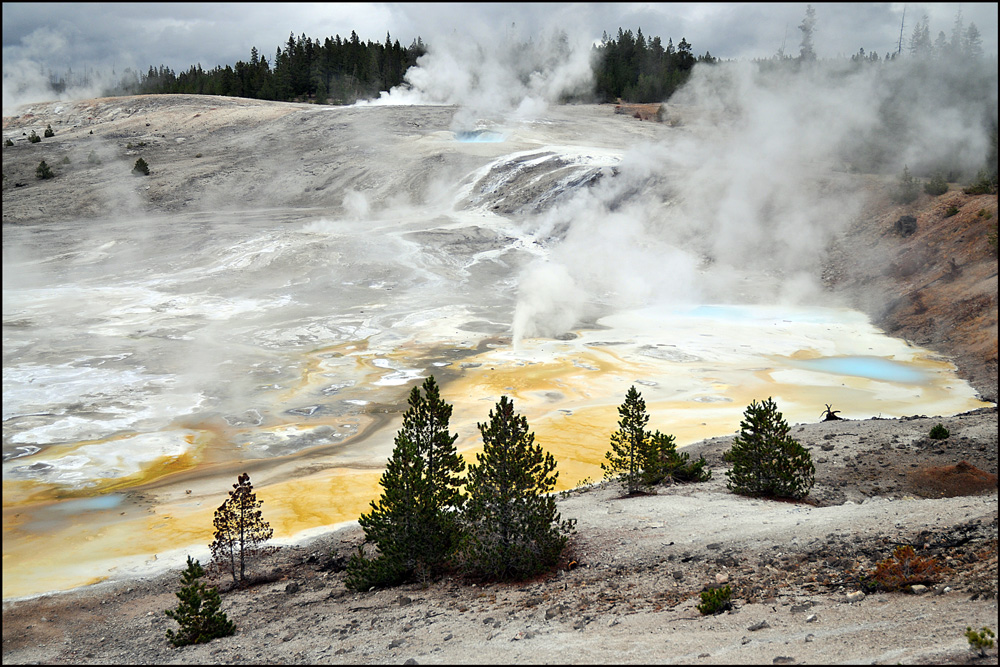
(147, 365)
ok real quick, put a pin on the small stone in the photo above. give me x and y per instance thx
(411, 661)
(722, 578)
(292, 587)
(783, 660)
(918, 589)
(395, 643)
(810, 637)
(855, 596)
(759, 626)
(448, 637)
(612, 622)
(812, 618)
(745, 641)
(404, 600)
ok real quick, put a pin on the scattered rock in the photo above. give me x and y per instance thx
(812, 618)
(783, 660)
(918, 589)
(292, 587)
(855, 596)
(759, 626)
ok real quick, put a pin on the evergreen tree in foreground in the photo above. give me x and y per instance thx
(198, 613)
(240, 529)
(766, 460)
(513, 529)
(414, 524)
(628, 444)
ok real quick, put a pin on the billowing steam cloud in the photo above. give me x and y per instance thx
(740, 204)
(496, 81)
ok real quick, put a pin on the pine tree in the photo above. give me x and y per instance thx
(240, 529)
(414, 524)
(198, 612)
(44, 171)
(766, 460)
(512, 528)
(140, 168)
(628, 452)
(49, 132)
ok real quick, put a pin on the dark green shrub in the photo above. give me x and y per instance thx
(8, 143)
(766, 460)
(512, 528)
(198, 612)
(939, 432)
(950, 211)
(34, 138)
(140, 168)
(906, 189)
(936, 186)
(715, 601)
(415, 523)
(48, 132)
(43, 170)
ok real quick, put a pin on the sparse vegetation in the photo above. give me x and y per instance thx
(140, 168)
(939, 432)
(512, 528)
(950, 211)
(938, 185)
(240, 530)
(198, 612)
(34, 138)
(415, 522)
(766, 460)
(980, 641)
(904, 568)
(715, 600)
(8, 143)
(93, 159)
(49, 132)
(64, 160)
(44, 171)
(905, 191)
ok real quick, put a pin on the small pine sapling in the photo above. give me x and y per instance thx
(198, 612)
(140, 168)
(44, 171)
(33, 137)
(939, 432)
(49, 132)
(979, 641)
(630, 445)
(715, 600)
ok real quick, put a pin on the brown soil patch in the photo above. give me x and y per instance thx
(961, 479)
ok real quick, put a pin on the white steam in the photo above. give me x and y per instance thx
(495, 80)
(740, 204)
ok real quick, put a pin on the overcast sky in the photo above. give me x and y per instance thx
(44, 37)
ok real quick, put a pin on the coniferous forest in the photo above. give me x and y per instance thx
(343, 71)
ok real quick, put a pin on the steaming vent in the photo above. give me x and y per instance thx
(480, 137)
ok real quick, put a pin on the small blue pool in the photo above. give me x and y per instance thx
(873, 368)
(479, 136)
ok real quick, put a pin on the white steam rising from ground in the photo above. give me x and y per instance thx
(496, 81)
(740, 204)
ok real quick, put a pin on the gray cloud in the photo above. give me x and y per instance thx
(105, 38)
